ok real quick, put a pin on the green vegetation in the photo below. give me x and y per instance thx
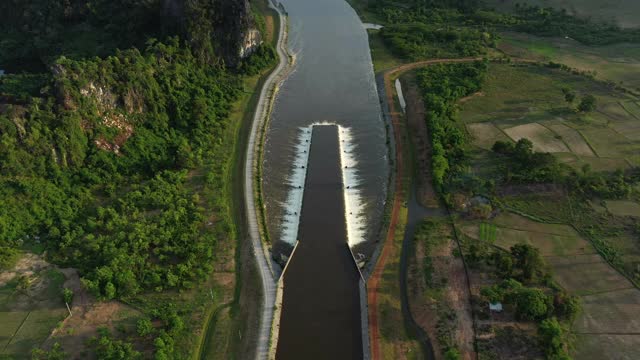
(527, 172)
(442, 86)
(107, 348)
(148, 231)
(119, 162)
(30, 306)
(488, 232)
(525, 286)
(56, 353)
(556, 142)
(621, 12)
(552, 335)
(552, 22)
(381, 55)
(8, 257)
(417, 41)
(418, 30)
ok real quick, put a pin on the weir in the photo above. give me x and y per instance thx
(321, 300)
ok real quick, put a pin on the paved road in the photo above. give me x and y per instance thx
(260, 252)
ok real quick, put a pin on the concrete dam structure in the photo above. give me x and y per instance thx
(321, 286)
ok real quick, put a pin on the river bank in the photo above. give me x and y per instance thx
(266, 272)
(244, 315)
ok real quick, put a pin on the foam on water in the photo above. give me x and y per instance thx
(353, 200)
(293, 204)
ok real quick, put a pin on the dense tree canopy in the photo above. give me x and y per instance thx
(442, 86)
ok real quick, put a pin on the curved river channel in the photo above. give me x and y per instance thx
(333, 82)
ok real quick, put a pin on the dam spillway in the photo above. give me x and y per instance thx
(320, 316)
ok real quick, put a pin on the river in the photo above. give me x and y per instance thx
(333, 82)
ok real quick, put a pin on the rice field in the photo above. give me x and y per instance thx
(543, 139)
(572, 139)
(610, 303)
(27, 317)
(619, 63)
(523, 101)
(486, 134)
(623, 208)
(488, 232)
(620, 12)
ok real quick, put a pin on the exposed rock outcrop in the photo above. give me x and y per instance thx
(233, 33)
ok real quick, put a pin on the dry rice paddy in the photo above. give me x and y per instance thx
(527, 102)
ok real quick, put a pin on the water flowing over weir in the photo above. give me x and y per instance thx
(353, 203)
(333, 82)
(324, 187)
(321, 317)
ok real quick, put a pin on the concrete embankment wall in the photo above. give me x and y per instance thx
(277, 312)
(364, 310)
(261, 253)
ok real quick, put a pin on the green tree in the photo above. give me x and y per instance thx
(108, 349)
(503, 147)
(55, 353)
(587, 104)
(552, 339)
(452, 354)
(493, 294)
(569, 95)
(567, 306)
(503, 263)
(144, 327)
(532, 304)
(67, 295)
(528, 261)
(523, 149)
(109, 291)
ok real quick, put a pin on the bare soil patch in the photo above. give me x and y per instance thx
(28, 265)
(446, 307)
(573, 139)
(78, 329)
(485, 134)
(542, 138)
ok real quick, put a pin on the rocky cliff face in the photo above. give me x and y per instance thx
(252, 39)
(225, 26)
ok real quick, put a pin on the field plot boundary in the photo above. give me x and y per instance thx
(543, 139)
(15, 333)
(569, 133)
(627, 110)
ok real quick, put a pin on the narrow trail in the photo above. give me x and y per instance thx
(373, 282)
(260, 252)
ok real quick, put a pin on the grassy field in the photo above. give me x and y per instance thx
(29, 314)
(624, 13)
(619, 63)
(623, 208)
(381, 55)
(395, 340)
(526, 101)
